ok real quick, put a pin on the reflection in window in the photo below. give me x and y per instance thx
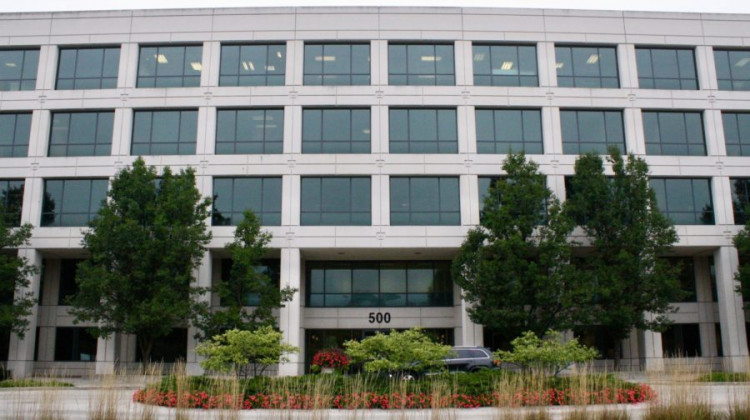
(18, 69)
(736, 133)
(15, 130)
(335, 201)
(232, 196)
(252, 65)
(271, 268)
(674, 133)
(422, 130)
(505, 65)
(421, 201)
(249, 131)
(174, 66)
(164, 132)
(67, 285)
(88, 68)
(72, 202)
(336, 130)
(11, 201)
(686, 201)
(379, 284)
(593, 67)
(337, 64)
(740, 199)
(733, 69)
(81, 133)
(666, 68)
(591, 131)
(74, 344)
(421, 64)
(509, 130)
(686, 277)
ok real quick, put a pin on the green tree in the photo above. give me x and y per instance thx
(245, 352)
(514, 267)
(742, 243)
(15, 305)
(245, 279)
(549, 355)
(144, 244)
(398, 352)
(628, 235)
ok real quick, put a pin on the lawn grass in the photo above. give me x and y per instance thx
(33, 383)
(725, 377)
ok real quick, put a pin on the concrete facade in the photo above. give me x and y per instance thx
(295, 244)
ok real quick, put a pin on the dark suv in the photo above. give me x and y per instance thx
(470, 359)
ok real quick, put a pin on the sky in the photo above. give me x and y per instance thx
(709, 6)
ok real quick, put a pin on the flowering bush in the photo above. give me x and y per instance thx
(333, 358)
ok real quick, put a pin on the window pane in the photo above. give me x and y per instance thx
(674, 133)
(164, 132)
(19, 69)
(666, 68)
(335, 201)
(72, 202)
(252, 65)
(587, 66)
(169, 66)
(423, 131)
(424, 201)
(232, 196)
(420, 64)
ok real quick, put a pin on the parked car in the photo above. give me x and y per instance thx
(469, 359)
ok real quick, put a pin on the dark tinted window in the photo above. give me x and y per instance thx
(232, 196)
(72, 202)
(509, 130)
(67, 284)
(740, 199)
(169, 349)
(423, 201)
(420, 130)
(591, 131)
(681, 340)
(337, 201)
(736, 133)
(249, 131)
(336, 131)
(15, 130)
(271, 268)
(337, 64)
(18, 69)
(666, 68)
(505, 65)
(81, 133)
(593, 67)
(164, 132)
(685, 201)
(421, 64)
(88, 68)
(252, 65)
(11, 200)
(169, 66)
(733, 69)
(674, 133)
(686, 277)
(74, 344)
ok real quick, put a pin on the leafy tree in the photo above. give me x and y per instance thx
(742, 242)
(551, 354)
(406, 351)
(628, 235)
(245, 352)
(15, 307)
(245, 279)
(144, 245)
(514, 267)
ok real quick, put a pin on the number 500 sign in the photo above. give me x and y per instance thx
(379, 317)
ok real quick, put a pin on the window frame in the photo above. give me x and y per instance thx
(307, 145)
(352, 214)
(496, 144)
(722, 82)
(151, 141)
(335, 76)
(268, 146)
(450, 146)
(56, 215)
(140, 84)
(266, 76)
(12, 217)
(651, 145)
(742, 143)
(410, 76)
(440, 213)
(101, 78)
(28, 80)
(583, 147)
(74, 342)
(235, 216)
(500, 77)
(743, 200)
(18, 149)
(95, 145)
(577, 81)
(653, 79)
(699, 216)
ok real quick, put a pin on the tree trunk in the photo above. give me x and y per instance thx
(145, 344)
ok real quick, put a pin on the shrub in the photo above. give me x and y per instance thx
(549, 355)
(332, 359)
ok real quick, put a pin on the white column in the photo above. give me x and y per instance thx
(471, 194)
(39, 133)
(651, 352)
(723, 209)
(210, 63)
(731, 314)
(704, 63)
(204, 136)
(464, 63)
(628, 67)
(106, 355)
(715, 145)
(379, 130)
(47, 70)
(379, 62)
(128, 70)
(545, 53)
(633, 121)
(471, 334)
(295, 56)
(203, 280)
(552, 137)
(21, 354)
(290, 315)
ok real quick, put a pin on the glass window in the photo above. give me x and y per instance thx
(505, 65)
(249, 131)
(88, 68)
(335, 201)
(74, 344)
(592, 67)
(271, 268)
(169, 349)
(252, 65)
(421, 64)
(674, 133)
(685, 201)
(736, 133)
(681, 340)
(424, 201)
(18, 69)
(379, 284)
(232, 196)
(169, 66)
(72, 202)
(740, 199)
(686, 277)
(423, 130)
(15, 130)
(509, 130)
(666, 68)
(336, 130)
(591, 131)
(164, 132)
(81, 133)
(337, 64)
(11, 200)
(733, 69)
(67, 285)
